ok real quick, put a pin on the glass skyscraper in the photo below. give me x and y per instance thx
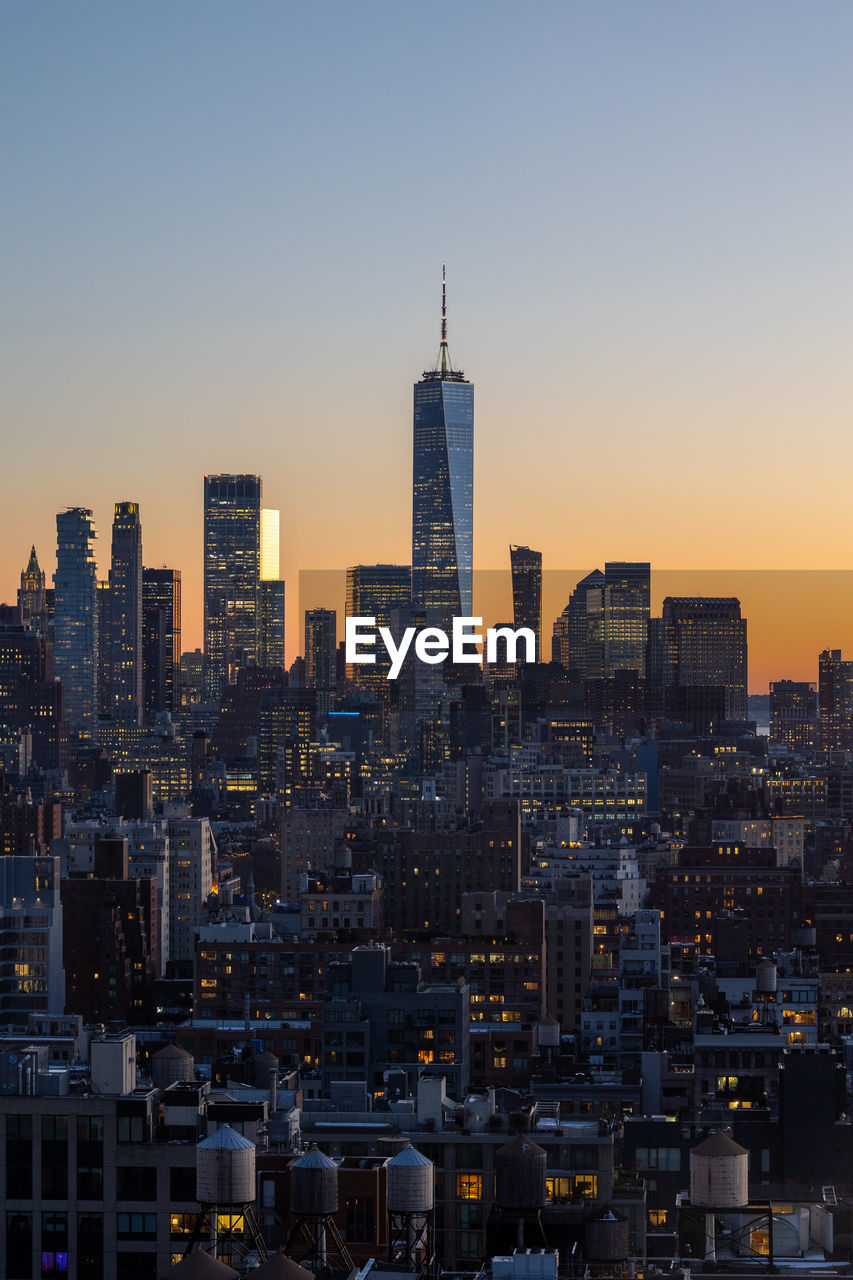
(232, 574)
(75, 639)
(627, 605)
(161, 640)
(271, 616)
(126, 613)
(443, 487)
(373, 591)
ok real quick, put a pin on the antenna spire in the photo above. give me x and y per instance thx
(443, 318)
(443, 369)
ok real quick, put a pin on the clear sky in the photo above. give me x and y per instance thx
(222, 231)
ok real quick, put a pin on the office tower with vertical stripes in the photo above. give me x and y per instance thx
(232, 572)
(443, 486)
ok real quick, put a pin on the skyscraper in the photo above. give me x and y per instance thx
(704, 659)
(161, 640)
(627, 604)
(578, 637)
(31, 596)
(270, 544)
(232, 552)
(835, 699)
(75, 622)
(793, 714)
(321, 656)
(271, 616)
(104, 627)
(443, 486)
(373, 591)
(526, 568)
(126, 613)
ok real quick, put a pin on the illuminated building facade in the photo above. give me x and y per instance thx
(161, 640)
(374, 591)
(605, 626)
(443, 487)
(835, 698)
(232, 553)
(271, 617)
(104, 622)
(704, 649)
(31, 974)
(192, 850)
(126, 613)
(31, 700)
(627, 604)
(32, 596)
(793, 714)
(270, 543)
(75, 617)
(578, 641)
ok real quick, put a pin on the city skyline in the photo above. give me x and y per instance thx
(645, 279)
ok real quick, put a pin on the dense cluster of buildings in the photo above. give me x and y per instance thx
(416, 975)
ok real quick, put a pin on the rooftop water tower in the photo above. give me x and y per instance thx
(411, 1200)
(520, 1192)
(226, 1191)
(315, 1237)
(719, 1176)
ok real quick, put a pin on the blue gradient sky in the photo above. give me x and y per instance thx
(223, 229)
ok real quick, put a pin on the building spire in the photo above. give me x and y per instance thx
(442, 370)
(444, 317)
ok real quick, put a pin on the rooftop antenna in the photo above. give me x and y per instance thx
(444, 317)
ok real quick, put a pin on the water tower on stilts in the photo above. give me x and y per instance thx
(411, 1200)
(226, 1191)
(315, 1238)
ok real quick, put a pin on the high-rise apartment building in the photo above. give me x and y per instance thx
(232, 567)
(704, 659)
(374, 591)
(31, 974)
(192, 851)
(126, 613)
(526, 566)
(31, 700)
(161, 640)
(271, 616)
(104, 628)
(443, 486)
(75, 617)
(321, 656)
(793, 714)
(835, 698)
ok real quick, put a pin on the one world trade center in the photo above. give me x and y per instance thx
(443, 485)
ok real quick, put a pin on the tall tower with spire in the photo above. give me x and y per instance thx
(443, 484)
(31, 597)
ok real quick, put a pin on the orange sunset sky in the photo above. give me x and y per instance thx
(223, 233)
